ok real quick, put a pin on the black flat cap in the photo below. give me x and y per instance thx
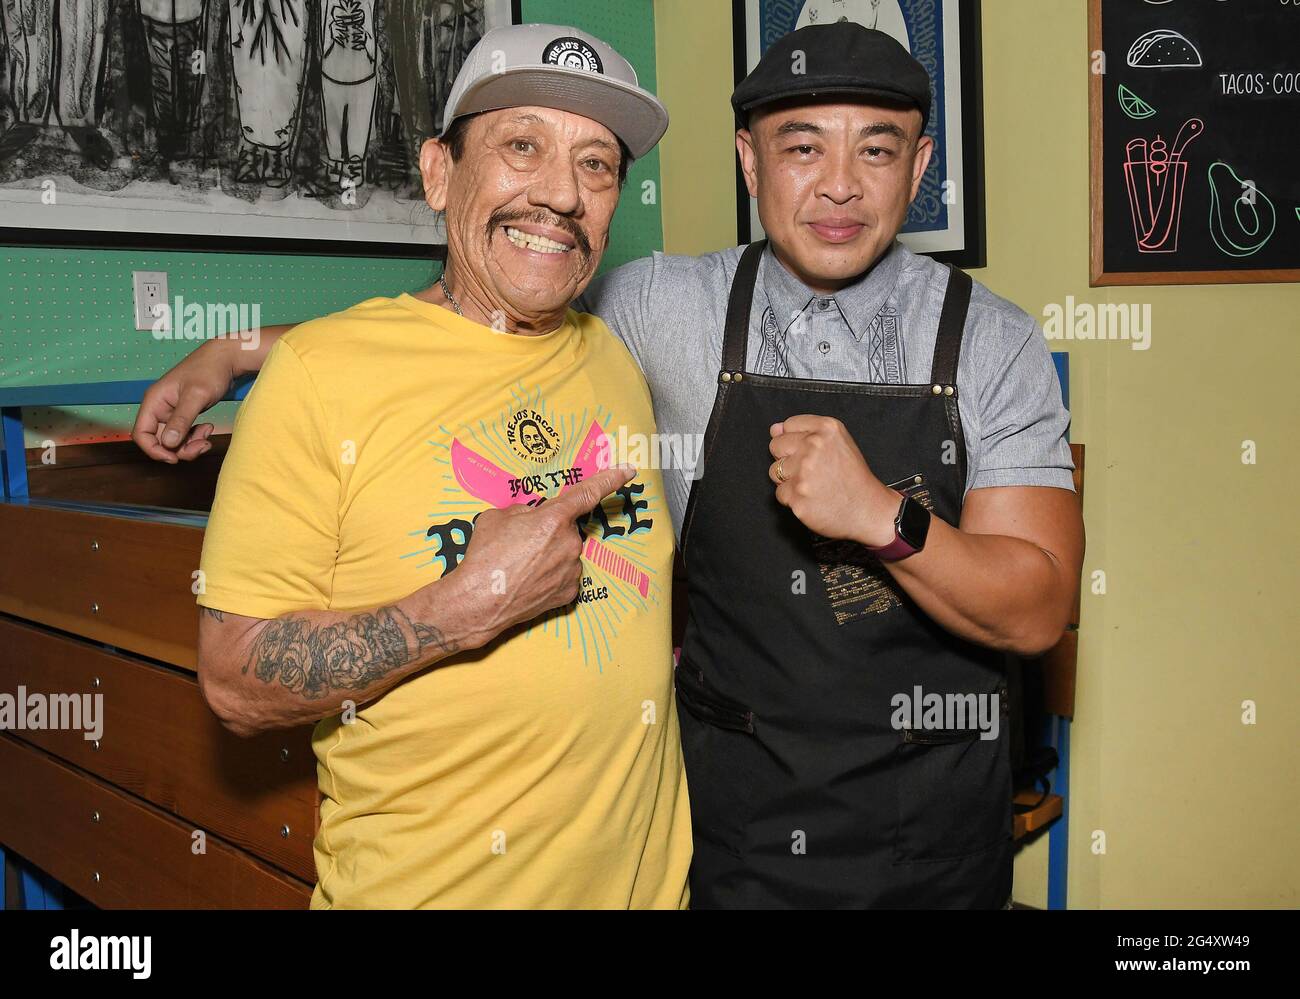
(840, 58)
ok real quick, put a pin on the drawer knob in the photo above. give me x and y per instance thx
(94, 816)
(96, 877)
(94, 546)
(284, 756)
(94, 608)
(284, 832)
(95, 745)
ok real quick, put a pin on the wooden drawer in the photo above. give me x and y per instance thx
(113, 579)
(119, 852)
(161, 742)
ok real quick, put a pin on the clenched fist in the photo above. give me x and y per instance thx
(822, 477)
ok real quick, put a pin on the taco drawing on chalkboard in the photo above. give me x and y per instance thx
(1163, 48)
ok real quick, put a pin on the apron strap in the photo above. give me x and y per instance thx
(952, 323)
(736, 338)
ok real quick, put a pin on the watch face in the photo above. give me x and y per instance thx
(913, 523)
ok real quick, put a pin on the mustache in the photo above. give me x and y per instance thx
(504, 216)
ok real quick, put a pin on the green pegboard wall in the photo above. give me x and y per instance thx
(629, 26)
(66, 315)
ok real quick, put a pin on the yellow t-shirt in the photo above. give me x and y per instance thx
(545, 769)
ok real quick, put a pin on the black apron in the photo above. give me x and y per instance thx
(803, 794)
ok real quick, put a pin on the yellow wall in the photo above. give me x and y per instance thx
(1199, 549)
(697, 157)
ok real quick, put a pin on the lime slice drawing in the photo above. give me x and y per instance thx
(1134, 106)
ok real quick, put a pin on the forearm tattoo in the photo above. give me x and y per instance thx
(314, 660)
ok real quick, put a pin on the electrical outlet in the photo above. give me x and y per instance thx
(150, 293)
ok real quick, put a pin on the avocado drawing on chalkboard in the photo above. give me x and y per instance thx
(1134, 106)
(1248, 223)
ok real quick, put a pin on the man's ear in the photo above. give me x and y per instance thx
(748, 160)
(920, 162)
(435, 165)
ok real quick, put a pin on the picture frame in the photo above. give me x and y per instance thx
(946, 221)
(228, 125)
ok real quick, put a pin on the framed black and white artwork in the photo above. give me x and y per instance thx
(252, 125)
(946, 220)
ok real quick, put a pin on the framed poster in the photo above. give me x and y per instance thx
(946, 220)
(1193, 144)
(248, 125)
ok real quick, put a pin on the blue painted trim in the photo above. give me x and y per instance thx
(94, 393)
(33, 889)
(1058, 841)
(1062, 361)
(14, 457)
(53, 893)
(240, 388)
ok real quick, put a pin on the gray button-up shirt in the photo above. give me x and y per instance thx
(670, 311)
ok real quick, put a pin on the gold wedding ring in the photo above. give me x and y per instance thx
(780, 470)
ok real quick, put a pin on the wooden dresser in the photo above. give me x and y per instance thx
(165, 809)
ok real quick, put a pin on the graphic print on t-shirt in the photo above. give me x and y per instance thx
(527, 455)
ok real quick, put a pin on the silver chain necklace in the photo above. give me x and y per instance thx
(442, 280)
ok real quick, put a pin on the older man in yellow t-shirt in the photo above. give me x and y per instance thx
(393, 553)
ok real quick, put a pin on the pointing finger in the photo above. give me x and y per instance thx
(579, 499)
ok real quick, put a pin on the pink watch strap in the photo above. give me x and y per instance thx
(895, 550)
(898, 548)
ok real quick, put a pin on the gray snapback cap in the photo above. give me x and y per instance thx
(549, 66)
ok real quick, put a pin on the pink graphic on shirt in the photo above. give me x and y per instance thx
(483, 479)
(604, 557)
(527, 455)
(593, 452)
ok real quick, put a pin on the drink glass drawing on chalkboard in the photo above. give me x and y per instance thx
(1155, 177)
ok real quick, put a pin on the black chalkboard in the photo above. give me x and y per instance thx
(1195, 141)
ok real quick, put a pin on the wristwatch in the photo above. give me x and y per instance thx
(910, 529)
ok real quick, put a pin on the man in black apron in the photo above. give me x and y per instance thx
(807, 623)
